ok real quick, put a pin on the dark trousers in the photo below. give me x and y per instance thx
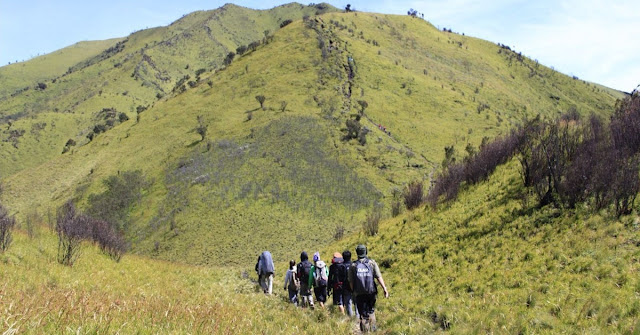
(366, 304)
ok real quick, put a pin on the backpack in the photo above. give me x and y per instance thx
(363, 278)
(304, 269)
(294, 283)
(320, 275)
(266, 263)
(342, 278)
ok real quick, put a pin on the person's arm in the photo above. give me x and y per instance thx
(384, 287)
(287, 277)
(378, 276)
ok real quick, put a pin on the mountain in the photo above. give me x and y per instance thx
(292, 145)
(285, 171)
(52, 99)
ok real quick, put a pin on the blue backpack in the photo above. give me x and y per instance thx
(266, 263)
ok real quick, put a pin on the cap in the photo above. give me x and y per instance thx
(316, 256)
(361, 250)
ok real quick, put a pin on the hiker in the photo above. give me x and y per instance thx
(265, 270)
(292, 282)
(320, 279)
(361, 275)
(339, 282)
(303, 273)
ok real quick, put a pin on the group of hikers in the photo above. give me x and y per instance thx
(348, 282)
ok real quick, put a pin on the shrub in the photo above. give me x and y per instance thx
(71, 229)
(254, 45)
(353, 129)
(229, 58)
(362, 136)
(241, 49)
(413, 195)
(201, 129)
(372, 223)
(339, 233)
(363, 105)
(122, 117)
(6, 228)
(285, 23)
(99, 128)
(395, 208)
(261, 99)
(110, 242)
(122, 192)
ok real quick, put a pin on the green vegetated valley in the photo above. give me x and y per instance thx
(234, 131)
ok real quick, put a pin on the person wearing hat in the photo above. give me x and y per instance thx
(361, 279)
(319, 279)
(339, 282)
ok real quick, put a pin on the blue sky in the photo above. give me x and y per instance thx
(596, 40)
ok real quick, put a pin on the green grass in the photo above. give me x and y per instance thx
(285, 180)
(149, 64)
(485, 263)
(297, 177)
(43, 68)
(97, 295)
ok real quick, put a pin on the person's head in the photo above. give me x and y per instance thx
(292, 264)
(316, 256)
(346, 255)
(361, 251)
(304, 256)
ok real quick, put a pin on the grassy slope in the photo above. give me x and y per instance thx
(296, 190)
(150, 62)
(482, 264)
(425, 85)
(165, 134)
(487, 263)
(98, 295)
(491, 263)
(44, 68)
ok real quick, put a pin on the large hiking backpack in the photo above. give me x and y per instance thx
(320, 275)
(342, 277)
(364, 278)
(304, 269)
(266, 263)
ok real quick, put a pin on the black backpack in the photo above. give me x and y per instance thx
(304, 268)
(363, 278)
(341, 276)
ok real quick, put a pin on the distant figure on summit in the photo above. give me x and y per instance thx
(361, 275)
(265, 270)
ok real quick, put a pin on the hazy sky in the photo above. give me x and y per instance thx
(596, 40)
